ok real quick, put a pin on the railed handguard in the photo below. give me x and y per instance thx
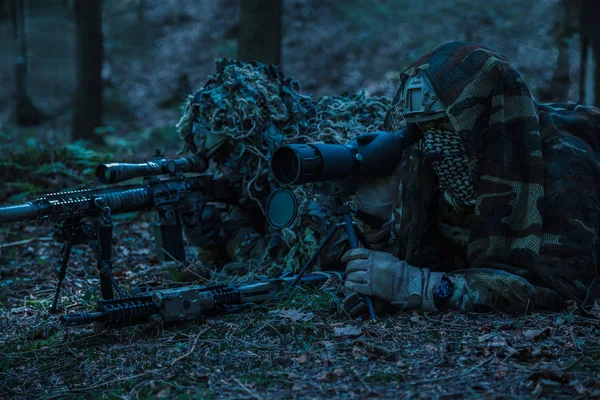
(77, 203)
(120, 312)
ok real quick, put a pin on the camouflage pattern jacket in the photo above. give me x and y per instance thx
(532, 236)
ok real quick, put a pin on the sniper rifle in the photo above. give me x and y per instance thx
(85, 216)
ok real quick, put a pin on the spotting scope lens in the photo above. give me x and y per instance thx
(286, 165)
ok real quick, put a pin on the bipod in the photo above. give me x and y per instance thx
(342, 190)
(98, 235)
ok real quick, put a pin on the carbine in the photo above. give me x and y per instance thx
(188, 302)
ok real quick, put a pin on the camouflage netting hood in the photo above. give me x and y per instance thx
(258, 109)
(255, 108)
(535, 169)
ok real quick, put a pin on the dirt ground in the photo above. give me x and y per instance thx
(300, 347)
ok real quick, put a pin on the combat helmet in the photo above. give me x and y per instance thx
(421, 102)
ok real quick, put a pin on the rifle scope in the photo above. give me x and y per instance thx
(119, 172)
(370, 154)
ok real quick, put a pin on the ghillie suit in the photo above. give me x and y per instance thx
(340, 118)
(531, 234)
(257, 109)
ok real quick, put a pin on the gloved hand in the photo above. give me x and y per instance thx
(379, 274)
(356, 306)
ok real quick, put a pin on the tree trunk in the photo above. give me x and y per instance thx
(260, 31)
(87, 112)
(584, 48)
(565, 26)
(590, 34)
(25, 112)
(4, 10)
(143, 28)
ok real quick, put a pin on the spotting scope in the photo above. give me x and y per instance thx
(119, 172)
(370, 154)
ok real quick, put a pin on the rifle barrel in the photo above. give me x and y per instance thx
(18, 212)
(83, 318)
(77, 204)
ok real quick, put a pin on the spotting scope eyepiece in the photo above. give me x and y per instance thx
(119, 172)
(370, 154)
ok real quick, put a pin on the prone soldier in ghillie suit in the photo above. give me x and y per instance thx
(237, 119)
(497, 206)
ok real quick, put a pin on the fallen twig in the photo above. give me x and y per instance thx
(453, 376)
(247, 389)
(191, 349)
(25, 241)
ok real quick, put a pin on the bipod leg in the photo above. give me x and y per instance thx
(314, 256)
(104, 234)
(63, 259)
(350, 230)
(107, 280)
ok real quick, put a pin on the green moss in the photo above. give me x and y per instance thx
(40, 305)
(51, 341)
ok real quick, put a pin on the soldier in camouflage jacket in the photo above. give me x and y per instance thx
(497, 206)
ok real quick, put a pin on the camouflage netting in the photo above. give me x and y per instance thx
(341, 118)
(259, 109)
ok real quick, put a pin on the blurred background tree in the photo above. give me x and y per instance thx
(260, 31)
(589, 81)
(566, 26)
(124, 67)
(26, 113)
(87, 111)
(4, 9)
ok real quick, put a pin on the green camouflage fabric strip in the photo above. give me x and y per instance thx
(535, 168)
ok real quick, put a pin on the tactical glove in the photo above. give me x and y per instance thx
(383, 276)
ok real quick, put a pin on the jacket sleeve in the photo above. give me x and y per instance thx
(205, 232)
(242, 241)
(228, 237)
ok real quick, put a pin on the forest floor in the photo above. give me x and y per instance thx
(302, 347)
